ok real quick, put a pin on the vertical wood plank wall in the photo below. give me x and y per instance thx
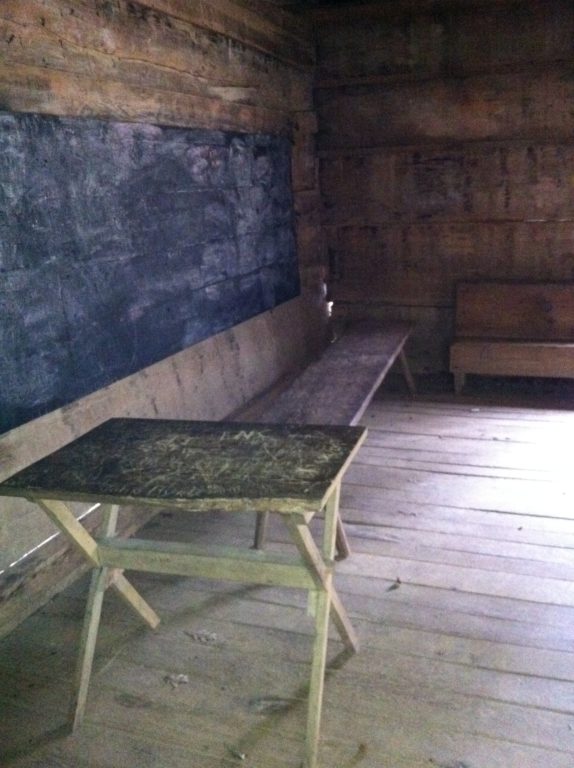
(446, 154)
(230, 65)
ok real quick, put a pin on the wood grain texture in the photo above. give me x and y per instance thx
(433, 39)
(33, 89)
(530, 311)
(206, 381)
(486, 107)
(337, 388)
(239, 466)
(232, 65)
(513, 358)
(482, 182)
(532, 336)
(461, 662)
(442, 128)
(148, 49)
(198, 465)
(253, 23)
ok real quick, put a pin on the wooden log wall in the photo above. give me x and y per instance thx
(229, 65)
(225, 65)
(446, 154)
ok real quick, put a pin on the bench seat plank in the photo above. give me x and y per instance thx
(513, 358)
(337, 388)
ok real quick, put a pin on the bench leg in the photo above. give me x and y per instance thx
(459, 381)
(260, 530)
(407, 372)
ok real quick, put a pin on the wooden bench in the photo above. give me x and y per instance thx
(513, 329)
(338, 387)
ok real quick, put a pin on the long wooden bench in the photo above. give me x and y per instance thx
(338, 387)
(513, 329)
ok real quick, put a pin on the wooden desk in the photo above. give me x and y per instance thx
(202, 466)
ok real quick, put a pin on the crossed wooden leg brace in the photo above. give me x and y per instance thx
(311, 570)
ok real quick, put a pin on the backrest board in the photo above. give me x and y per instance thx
(515, 310)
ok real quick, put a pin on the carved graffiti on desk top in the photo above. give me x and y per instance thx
(173, 462)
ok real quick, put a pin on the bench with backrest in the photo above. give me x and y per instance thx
(338, 386)
(513, 329)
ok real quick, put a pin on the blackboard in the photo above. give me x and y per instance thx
(121, 244)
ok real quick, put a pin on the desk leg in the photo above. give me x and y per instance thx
(326, 597)
(88, 645)
(343, 548)
(323, 610)
(100, 577)
(261, 522)
(64, 519)
(316, 565)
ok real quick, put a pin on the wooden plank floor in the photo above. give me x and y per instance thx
(461, 586)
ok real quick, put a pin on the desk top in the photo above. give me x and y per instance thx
(195, 465)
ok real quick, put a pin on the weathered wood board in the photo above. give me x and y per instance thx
(512, 358)
(205, 381)
(410, 39)
(194, 465)
(445, 144)
(338, 387)
(513, 329)
(462, 663)
(234, 66)
(521, 311)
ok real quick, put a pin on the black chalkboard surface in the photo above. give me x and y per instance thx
(121, 244)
